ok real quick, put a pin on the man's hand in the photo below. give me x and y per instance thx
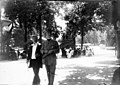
(37, 55)
(27, 61)
(46, 51)
(50, 51)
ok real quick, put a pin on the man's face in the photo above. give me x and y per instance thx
(34, 38)
(48, 36)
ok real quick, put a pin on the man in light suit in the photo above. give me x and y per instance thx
(49, 49)
(35, 59)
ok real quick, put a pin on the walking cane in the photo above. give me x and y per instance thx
(28, 64)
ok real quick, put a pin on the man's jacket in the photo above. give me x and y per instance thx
(50, 45)
(38, 55)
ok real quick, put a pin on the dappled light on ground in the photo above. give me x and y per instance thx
(69, 71)
(88, 70)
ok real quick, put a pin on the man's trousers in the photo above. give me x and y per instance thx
(50, 73)
(36, 79)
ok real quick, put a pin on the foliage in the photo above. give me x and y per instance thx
(40, 14)
(18, 36)
(97, 37)
(81, 16)
(111, 36)
(29, 11)
(84, 14)
(29, 14)
(91, 37)
(105, 11)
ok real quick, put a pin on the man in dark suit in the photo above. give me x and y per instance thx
(35, 59)
(49, 49)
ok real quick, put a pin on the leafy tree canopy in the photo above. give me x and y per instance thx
(85, 15)
(32, 13)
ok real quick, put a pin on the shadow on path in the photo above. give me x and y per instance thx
(89, 76)
(116, 77)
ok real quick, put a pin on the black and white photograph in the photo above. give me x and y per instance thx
(47, 42)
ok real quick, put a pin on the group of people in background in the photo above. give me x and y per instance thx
(43, 53)
(86, 51)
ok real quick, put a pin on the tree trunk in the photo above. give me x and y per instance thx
(115, 18)
(118, 43)
(82, 38)
(74, 47)
(25, 38)
(0, 32)
(82, 32)
(39, 27)
(25, 35)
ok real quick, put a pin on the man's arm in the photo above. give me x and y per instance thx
(55, 48)
(38, 52)
(29, 54)
(42, 48)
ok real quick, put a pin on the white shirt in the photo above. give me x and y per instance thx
(34, 50)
